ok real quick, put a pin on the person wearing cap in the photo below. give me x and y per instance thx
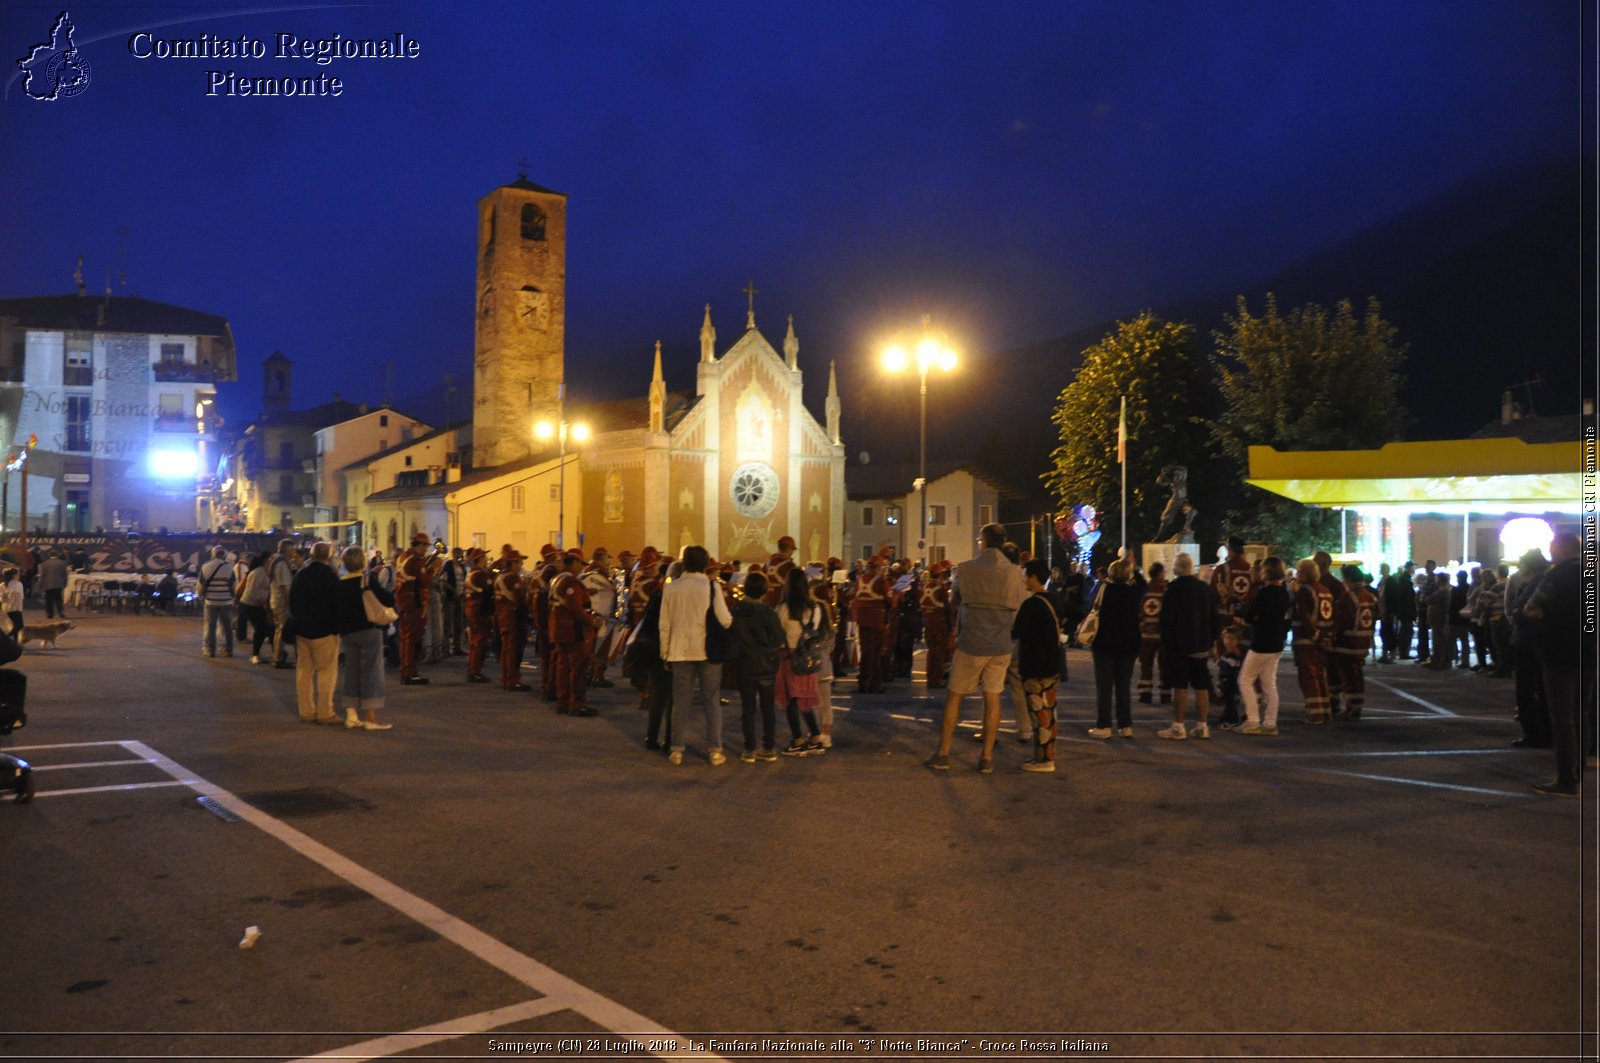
(599, 579)
(511, 617)
(413, 587)
(843, 594)
(937, 617)
(544, 573)
(478, 591)
(869, 608)
(1353, 620)
(572, 625)
(778, 568)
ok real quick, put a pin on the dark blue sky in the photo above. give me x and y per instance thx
(1018, 169)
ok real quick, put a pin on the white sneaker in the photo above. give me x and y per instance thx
(717, 758)
(1176, 731)
(1248, 728)
(825, 741)
(1126, 732)
(675, 757)
(1099, 732)
(1039, 765)
(1202, 731)
(255, 660)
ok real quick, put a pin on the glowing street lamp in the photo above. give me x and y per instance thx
(546, 431)
(932, 351)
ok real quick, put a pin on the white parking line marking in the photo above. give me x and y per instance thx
(1421, 782)
(1438, 710)
(62, 745)
(111, 789)
(550, 984)
(466, 1026)
(89, 764)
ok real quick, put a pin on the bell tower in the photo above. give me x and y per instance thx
(519, 361)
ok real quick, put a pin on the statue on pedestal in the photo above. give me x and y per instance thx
(1177, 519)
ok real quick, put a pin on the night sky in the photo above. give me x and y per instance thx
(1019, 170)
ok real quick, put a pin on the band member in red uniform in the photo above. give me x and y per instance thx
(778, 568)
(413, 586)
(599, 579)
(571, 625)
(539, 608)
(1353, 619)
(479, 589)
(1313, 634)
(870, 610)
(511, 616)
(843, 593)
(938, 616)
(1150, 637)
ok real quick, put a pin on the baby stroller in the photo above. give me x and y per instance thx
(15, 774)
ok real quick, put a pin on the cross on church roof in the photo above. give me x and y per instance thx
(751, 290)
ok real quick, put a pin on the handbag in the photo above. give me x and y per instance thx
(378, 614)
(1090, 627)
(722, 645)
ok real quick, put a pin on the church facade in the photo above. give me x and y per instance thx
(734, 466)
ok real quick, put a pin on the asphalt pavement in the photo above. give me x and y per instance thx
(489, 879)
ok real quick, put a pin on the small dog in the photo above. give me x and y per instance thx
(45, 632)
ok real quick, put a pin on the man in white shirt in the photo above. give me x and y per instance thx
(683, 646)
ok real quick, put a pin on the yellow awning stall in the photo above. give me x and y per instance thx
(1503, 473)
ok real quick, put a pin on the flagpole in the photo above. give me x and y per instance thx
(1122, 459)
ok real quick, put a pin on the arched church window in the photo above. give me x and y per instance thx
(533, 222)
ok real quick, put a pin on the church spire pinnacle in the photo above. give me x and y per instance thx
(658, 395)
(791, 346)
(708, 338)
(751, 291)
(832, 407)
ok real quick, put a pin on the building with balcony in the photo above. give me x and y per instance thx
(118, 394)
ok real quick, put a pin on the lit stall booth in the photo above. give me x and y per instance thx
(1461, 502)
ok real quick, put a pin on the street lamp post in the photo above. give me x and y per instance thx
(932, 351)
(579, 432)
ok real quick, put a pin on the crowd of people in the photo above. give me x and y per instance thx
(780, 635)
(1521, 624)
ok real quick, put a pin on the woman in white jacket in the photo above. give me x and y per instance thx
(684, 603)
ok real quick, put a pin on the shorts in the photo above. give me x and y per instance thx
(1187, 672)
(968, 672)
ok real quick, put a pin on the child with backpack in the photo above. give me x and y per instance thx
(805, 635)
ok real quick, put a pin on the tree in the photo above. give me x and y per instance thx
(1305, 381)
(1154, 365)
